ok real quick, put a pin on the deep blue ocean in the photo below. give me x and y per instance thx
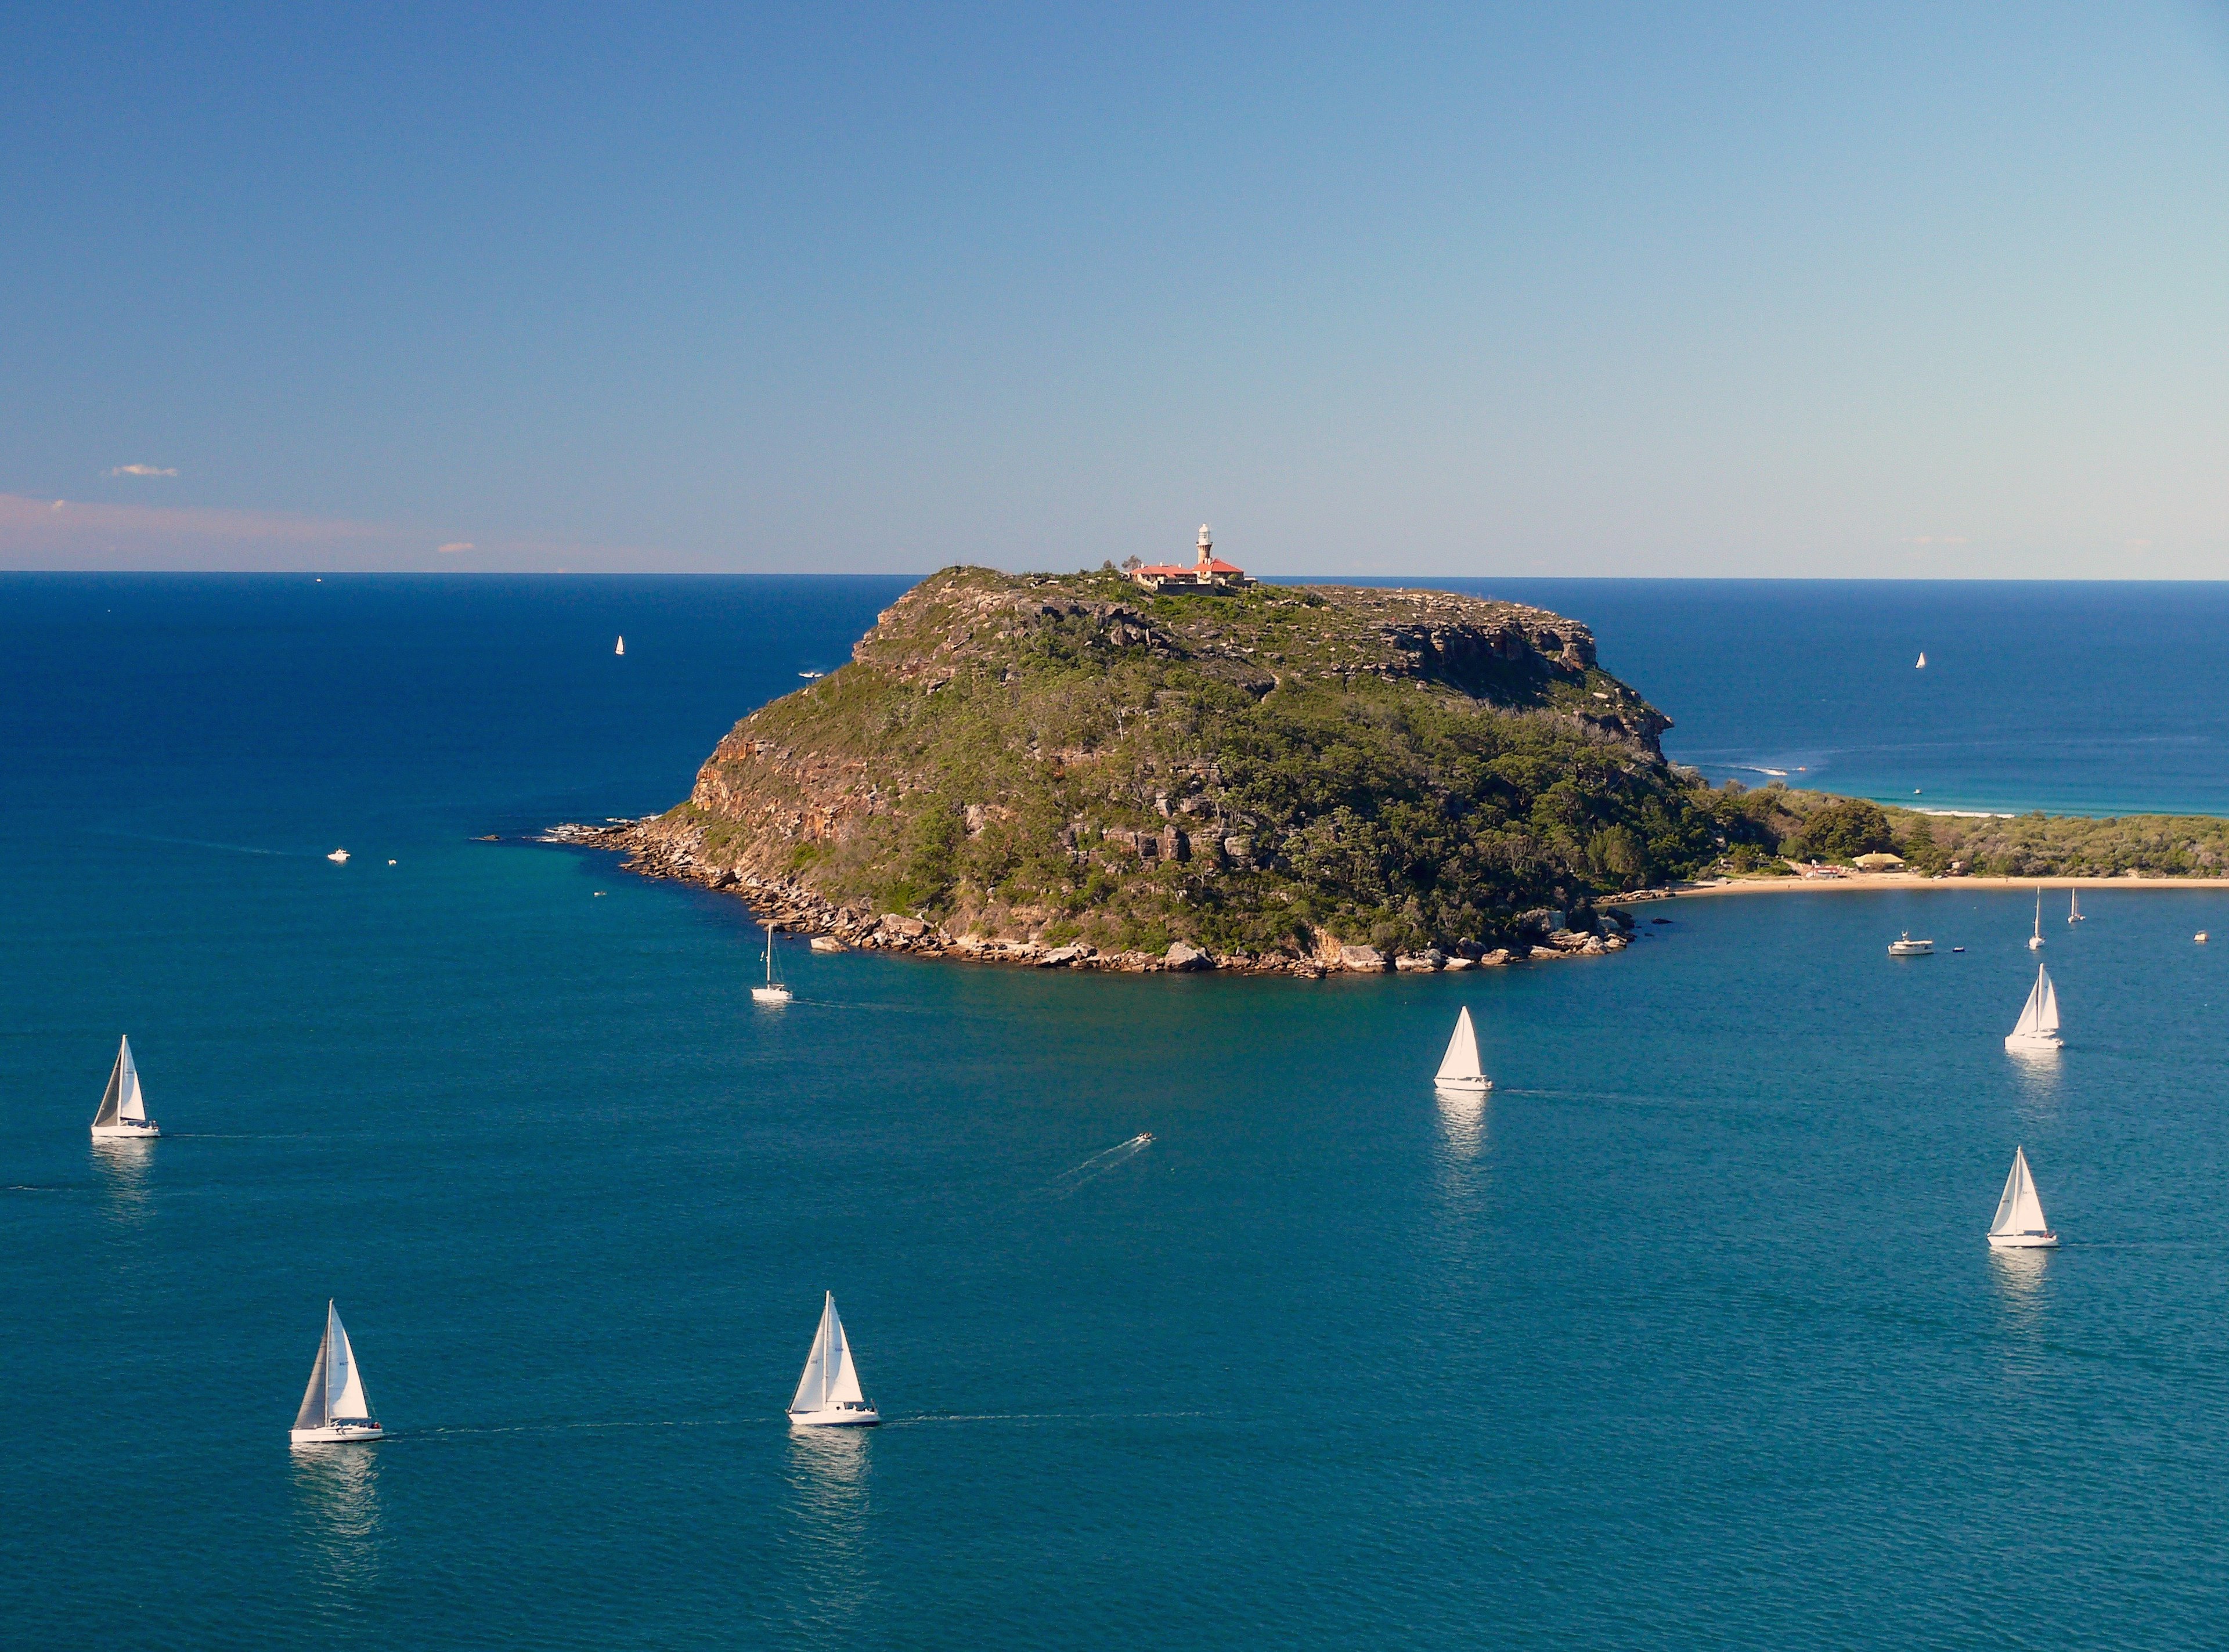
(1687, 1336)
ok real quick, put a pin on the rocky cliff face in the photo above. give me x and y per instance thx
(1064, 761)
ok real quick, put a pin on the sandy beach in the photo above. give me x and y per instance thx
(1860, 881)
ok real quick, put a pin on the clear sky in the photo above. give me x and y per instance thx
(1930, 288)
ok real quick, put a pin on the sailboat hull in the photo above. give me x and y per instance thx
(2034, 1043)
(770, 995)
(1464, 1086)
(127, 1130)
(837, 1417)
(335, 1434)
(2023, 1242)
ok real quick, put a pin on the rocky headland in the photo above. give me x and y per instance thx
(1066, 771)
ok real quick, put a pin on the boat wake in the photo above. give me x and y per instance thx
(1099, 1164)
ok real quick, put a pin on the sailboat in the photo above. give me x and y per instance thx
(621, 649)
(1923, 661)
(828, 1393)
(774, 992)
(335, 1407)
(2074, 906)
(2035, 940)
(340, 857)
(2038, 1027)
(123, 1108)
(1460, 1068)
(2020, 1225)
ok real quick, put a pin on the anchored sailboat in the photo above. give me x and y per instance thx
(2038, 1027)
(1460, 1068)
(774, 992)
(2035, 940)
(123, 1108)
(828, 1393)
(2074, 906)
(2020, 1225)
(335, 1407)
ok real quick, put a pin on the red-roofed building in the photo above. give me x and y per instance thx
(1208, 574)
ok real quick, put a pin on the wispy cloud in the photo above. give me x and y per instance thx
(457, 545)
(143, 470)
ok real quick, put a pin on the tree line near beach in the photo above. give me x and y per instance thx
(1767, 827)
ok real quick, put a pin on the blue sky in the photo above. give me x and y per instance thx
(1480, 290)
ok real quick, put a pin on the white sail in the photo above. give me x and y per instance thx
(130, 1104)
(2038, 1017)
(113, 1097)
(830, 1378)
(336, 1391)
(1923, 661)
(344, 1379)
(2020, 1210)
(622, 648)
(314, 1413)
(1461, 1060)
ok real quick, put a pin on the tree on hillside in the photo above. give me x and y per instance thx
(1842, 831)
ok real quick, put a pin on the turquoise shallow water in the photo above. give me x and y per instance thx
(1687, 1334)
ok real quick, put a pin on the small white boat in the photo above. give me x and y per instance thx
(622, 648)
(2038, 1027)
(2035, 940)
(1460, 1069)
(340, 857)
(335, 1408)
(1905, 947)
(2074, 906)
(1923, 661)
(2200, 937)
(2020, 1225)
(811, 675)
(828, 1393)
(774, 992)
(123, 1114)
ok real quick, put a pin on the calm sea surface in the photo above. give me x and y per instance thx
(1687, 1336)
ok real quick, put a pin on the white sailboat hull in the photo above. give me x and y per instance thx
(2033, 1041)
(1464, 1086)
(770, 994)
(335, 1434)
(2023, 1242)
(127, 1130)
(837, 1417)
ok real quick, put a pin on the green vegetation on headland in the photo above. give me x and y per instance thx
(1069, 762)
(1774, 824)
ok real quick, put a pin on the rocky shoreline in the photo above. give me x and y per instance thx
(659, 846)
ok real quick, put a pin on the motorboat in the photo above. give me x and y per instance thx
(1904, 946)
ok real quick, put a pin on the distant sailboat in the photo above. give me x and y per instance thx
(774, 992)
(1460, 1068)
(1923, 661)
(2074, 906)
(340, 857)
(2035, 940)
(2038, 1027)
(828, 1393)
(335, 1408)
(622, 648)
(2020, 1225)
(122, 1108)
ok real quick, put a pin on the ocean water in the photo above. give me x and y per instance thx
(2076, 698)
(1686, 1335)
